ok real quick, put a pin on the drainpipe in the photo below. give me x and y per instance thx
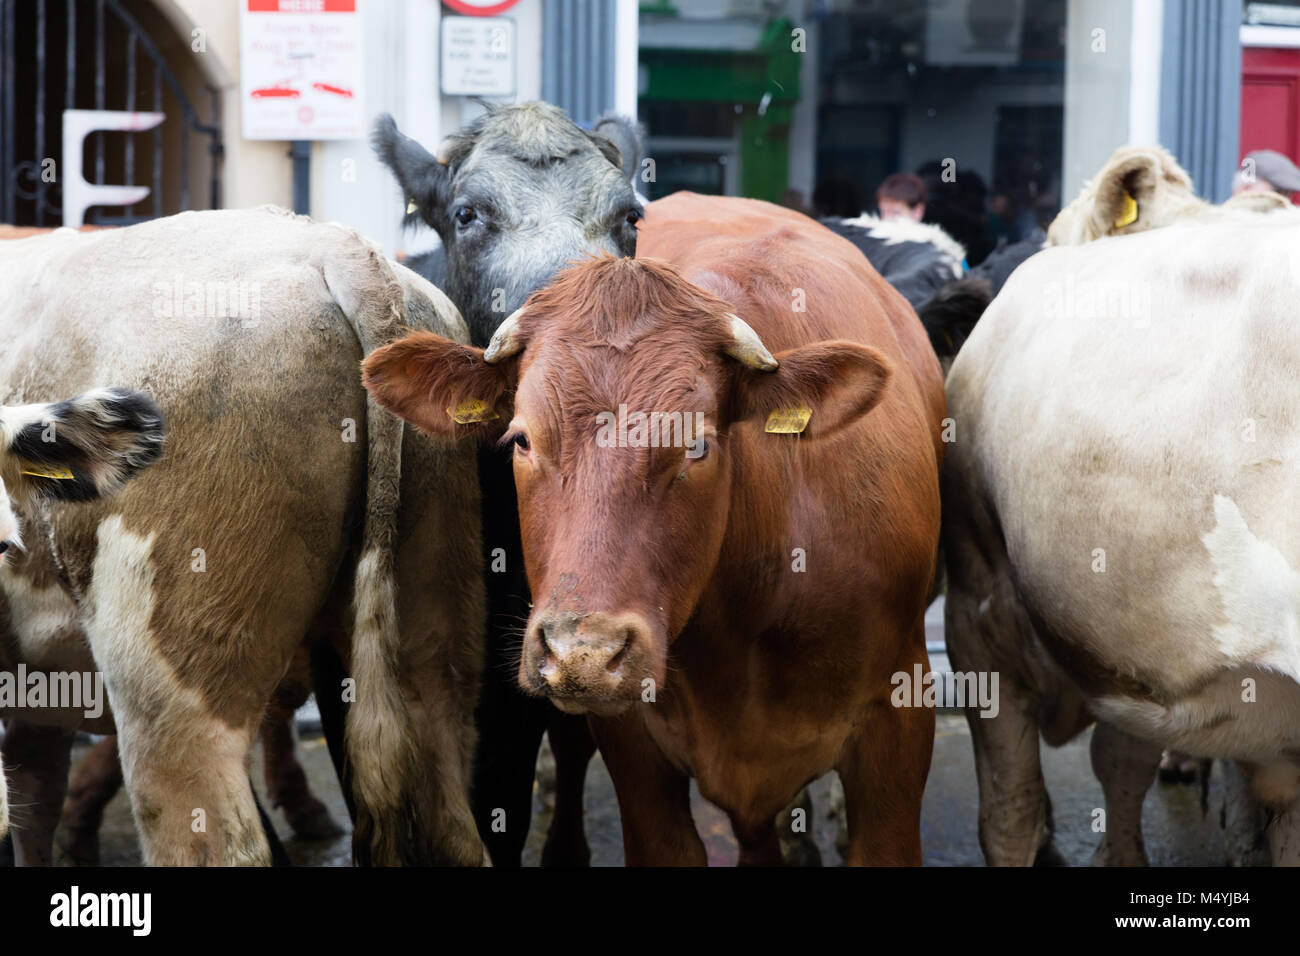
(300, 153)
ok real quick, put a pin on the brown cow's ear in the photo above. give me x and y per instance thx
(441, 387)
(815, 390)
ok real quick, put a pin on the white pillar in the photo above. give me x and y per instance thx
(625, 57)
(1144, 72)
(348, 184)
(1098, 43)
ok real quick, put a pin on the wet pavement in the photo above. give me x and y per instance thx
(1176, 831)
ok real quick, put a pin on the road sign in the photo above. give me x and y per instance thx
(301, 69)
(478, 56)
(480, 8)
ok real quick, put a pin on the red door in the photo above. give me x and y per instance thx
(1270, 100)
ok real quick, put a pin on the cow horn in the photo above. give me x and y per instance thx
(443, 153)
(745, 346)
(506, 340)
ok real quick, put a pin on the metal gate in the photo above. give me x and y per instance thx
(58, 55)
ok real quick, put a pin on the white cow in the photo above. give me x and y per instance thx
(76, 450)
(1119, 533)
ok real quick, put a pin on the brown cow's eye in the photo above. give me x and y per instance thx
(694, 455)
(520, 442)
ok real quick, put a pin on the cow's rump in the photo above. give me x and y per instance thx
(276, 502)
(1126, 413)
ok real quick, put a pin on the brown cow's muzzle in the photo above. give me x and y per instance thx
(588, 662)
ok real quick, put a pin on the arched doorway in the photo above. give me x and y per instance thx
(114, 55)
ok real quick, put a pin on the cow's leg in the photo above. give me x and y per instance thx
(836, 812)
(185, 744)
(95, 781)
(286, 782)
(573, 747)
(1244, 821)
(984, 626)
(1126, 766)
(794, 830)
(329, 645)
(510, 729)
(1284, 836)
(1276, 785)
(37, 758)
(510, 724)
(1014, 815)
(760, 845)
(190, 794)
(884, 769)
(654, 797)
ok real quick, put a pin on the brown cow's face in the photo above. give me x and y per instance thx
(624, 394)
(623, 499)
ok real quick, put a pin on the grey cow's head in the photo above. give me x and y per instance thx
(516, 196)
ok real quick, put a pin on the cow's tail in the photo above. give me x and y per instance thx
(380, 738)
(951, 314)
(4, 804)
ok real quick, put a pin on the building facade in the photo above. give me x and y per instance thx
(1004, 106)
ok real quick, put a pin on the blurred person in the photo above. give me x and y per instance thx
(957, 205)
(1266, 170)
(901, 196)
(793, 199)
(836, 195)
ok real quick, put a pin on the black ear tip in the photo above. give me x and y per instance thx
(384, 134)
(134, 406)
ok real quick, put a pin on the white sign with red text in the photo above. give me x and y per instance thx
(301, 69)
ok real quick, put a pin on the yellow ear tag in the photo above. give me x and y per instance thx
(1129, 214)
(61, 474)
(472, 410)
(411, 206)
(788, 421)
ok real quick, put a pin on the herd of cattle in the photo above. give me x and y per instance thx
(672, 491)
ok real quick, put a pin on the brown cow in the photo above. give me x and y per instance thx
(668, 572)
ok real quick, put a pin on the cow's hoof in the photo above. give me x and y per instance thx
(80, 847)
(566, 853)
(801, 852)
(1049, 855)
(1108, 854)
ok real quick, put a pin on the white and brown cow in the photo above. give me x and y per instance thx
(1118, 534)
(75, 450)
(287, 509)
